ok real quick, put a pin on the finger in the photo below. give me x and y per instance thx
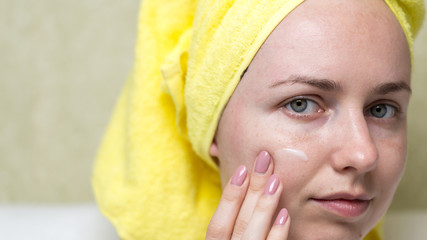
(222, 222)
(280, 228)
(261, 171)
(260, 224)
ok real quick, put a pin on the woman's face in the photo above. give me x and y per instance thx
(326, 96)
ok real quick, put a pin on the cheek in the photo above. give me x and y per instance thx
(243, 136)
(298, 159)
(295, 174)
(387, 175)
(237, 141)
(392, 161)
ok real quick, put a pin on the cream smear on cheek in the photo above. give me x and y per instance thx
(290, 154)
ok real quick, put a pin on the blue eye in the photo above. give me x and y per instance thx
(383, 111)
(302, 106)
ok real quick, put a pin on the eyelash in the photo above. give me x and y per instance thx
(397, 112)
(294, 114)
(367, 112)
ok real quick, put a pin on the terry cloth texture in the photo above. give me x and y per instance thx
(153, 177)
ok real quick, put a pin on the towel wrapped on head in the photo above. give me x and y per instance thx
(153, 177)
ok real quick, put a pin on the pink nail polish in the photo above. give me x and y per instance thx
(262, 162)
(272, 184)
(239, 176)
(281, 217)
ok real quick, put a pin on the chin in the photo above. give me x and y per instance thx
(328, 231)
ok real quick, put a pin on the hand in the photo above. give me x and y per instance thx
(248, 203)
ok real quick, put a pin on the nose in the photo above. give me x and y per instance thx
(355, 148)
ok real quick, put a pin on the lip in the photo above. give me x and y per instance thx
(345, 205)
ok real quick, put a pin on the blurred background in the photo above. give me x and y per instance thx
(62, 66)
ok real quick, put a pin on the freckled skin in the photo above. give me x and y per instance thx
(359, 44)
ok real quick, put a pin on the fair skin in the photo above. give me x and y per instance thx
(332, 82)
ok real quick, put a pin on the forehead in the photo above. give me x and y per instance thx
(357, 37)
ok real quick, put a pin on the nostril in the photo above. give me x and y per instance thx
(348, 168)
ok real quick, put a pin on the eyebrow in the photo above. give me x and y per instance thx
(322, 84)
(391, 87)
(330, 85)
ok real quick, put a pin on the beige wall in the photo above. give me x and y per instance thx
(62, 65)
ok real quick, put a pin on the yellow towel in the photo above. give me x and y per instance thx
(153, 177)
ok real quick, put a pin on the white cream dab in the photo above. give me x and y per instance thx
(283, 154)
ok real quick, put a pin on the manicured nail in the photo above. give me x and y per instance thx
(272, 184)
(281, 217)
(239, 176)
(262, 162)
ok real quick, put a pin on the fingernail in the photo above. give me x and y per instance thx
(262, 162)
(281, 217)
(272, 184)
(239, 176)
